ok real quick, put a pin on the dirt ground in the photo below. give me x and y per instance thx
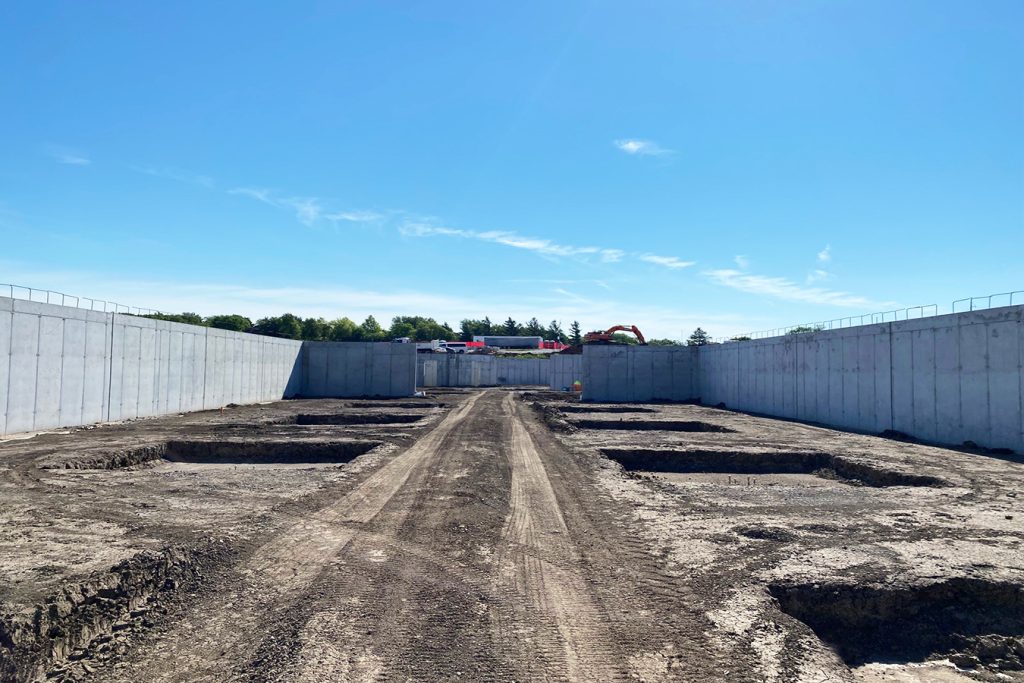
(504, 536)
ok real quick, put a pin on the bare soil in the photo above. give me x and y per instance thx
(492, 535)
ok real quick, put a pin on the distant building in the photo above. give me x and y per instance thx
(500, 342)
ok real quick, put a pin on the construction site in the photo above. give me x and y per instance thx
(189, 504)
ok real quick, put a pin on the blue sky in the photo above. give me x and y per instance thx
(734, 165)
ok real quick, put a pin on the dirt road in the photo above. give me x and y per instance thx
(484, 551)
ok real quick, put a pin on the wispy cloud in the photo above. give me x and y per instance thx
(666, 261)
(70, 157)
(825, 255)
(818, 275)
(742, 262)
(544, 247)
(354, 216)
(308, 210)
(509, 239)
(781, 288)
(641, 147)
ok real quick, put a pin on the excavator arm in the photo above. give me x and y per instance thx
(606, 336)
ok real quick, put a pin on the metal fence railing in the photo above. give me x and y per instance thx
(988, 301)
(972, 303)
(908, 313)
(49, 296)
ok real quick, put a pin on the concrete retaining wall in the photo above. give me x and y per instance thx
(946, 379)
(62, 367)
(638, 373)
(340, 369)
(564, 370)
(461, 370)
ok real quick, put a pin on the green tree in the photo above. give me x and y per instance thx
(698, 338)
(575, 336)
(371, 330)
(315, 329)
(741, 337)
(238, 323)
(662, 342)
(186, 318)
(623, 338)
(343, 329)
(555, 332)
(533, 328)
(804, 329)
(470, 328)
(510, 328)
(287, 325)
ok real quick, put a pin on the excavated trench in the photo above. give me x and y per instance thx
(824, 465)
(652, 425)
(605, 409)
(356, 418)
(395, 404)
(266, 451)
(973, 622)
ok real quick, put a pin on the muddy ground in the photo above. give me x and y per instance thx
(497, 535)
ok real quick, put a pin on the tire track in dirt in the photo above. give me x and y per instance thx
(215, 642)
(538, 563)
(411, 593)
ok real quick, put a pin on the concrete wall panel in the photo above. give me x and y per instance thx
(6, 322)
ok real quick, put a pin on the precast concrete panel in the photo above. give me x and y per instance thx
(403, 370)
(175, 371)
(662, 373)
(147, 371)
(381, 381)
(24, 358)
(316, 371)
(883, 378)
(429, 373)
(128, 380)
(902, 381)
(947, 382)
(48, 372)
(72, 372)
(850, 370)
(835, 380)
(1004, 384)
(974, 392)
(356, 362)
(924, 383)
(863, 377)
(6, 324)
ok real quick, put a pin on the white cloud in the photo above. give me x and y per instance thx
(259, 194)
(825, 255)
(781, 288)
(354, 216)
(666, 261)
(508, 239)
(537, 245)
(612, 255)
(641, 147)
(818, 275)
(70, 157)
(307, 209)
(742, 262)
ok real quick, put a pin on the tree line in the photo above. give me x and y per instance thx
(415, 327)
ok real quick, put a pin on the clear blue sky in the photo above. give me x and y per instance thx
(734, 165)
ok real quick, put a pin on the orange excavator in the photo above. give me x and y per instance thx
(606, 336)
